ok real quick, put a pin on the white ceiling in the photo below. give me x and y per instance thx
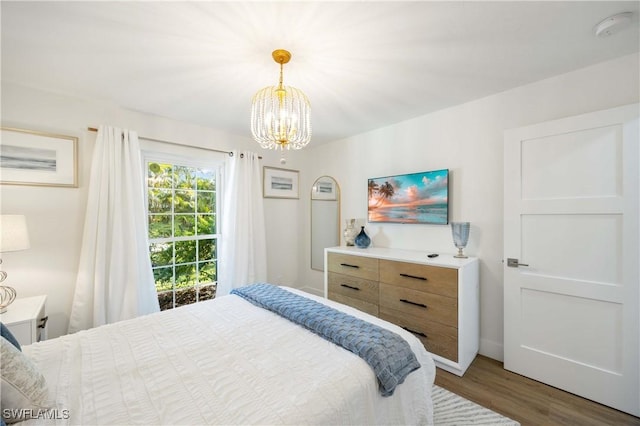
(363, 65)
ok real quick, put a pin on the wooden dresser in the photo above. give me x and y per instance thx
(437, 299)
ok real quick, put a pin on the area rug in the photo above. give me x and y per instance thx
(453, 410)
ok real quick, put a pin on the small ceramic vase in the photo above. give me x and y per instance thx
(362, 239)
(350, 232)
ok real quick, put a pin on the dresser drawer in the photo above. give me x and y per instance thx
(426, 307)
(438, 338)
(353, 287)
(432, 279)
(368, 307)
(355, 266)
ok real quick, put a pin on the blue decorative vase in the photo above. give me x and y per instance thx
(362, 239)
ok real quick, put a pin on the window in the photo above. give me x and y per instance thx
(183, 231)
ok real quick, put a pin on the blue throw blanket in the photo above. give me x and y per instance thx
(385, 351)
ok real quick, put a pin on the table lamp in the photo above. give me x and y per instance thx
(13, 237)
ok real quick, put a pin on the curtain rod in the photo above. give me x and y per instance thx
(95, 129)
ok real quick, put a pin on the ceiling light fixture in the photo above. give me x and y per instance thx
(280, 115)
(612, 24)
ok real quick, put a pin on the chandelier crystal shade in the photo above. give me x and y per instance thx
(280, 115)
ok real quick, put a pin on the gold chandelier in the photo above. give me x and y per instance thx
(280, 115)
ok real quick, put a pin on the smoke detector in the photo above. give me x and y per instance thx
(612, 24)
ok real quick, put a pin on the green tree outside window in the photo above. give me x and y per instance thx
(182, 232)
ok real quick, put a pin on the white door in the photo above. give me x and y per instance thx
(571, 198)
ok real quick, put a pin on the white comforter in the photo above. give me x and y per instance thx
(224, 361)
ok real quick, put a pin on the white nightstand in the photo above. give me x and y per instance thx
(26, 319)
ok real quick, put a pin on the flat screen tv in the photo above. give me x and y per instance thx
(410, 198)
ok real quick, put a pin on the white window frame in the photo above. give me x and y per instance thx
(187, 161)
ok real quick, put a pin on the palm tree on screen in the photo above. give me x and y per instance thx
(373, 188)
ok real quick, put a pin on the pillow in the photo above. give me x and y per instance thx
(4, 332)
(23, 386)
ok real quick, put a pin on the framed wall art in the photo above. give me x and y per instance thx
(37, 158)
(279, 183)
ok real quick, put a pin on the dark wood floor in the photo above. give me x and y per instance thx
(525, 400)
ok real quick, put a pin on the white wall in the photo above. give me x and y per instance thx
(468, 140)
(55, 216)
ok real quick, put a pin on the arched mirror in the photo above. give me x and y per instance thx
(325, 219)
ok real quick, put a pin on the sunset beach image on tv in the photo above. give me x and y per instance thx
(410, 198)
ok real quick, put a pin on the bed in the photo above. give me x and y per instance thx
(223, 361)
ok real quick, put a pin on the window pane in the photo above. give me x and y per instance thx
(185, 251)
(206, 202)
(206, 179)
(159, 175)
(206, 250)
(159, 226)
(163, 278)
(185, 225)
(207, 273)
(185, 275)
(185, 201)
(206, 292)
(206, 224)
(184, 177)
(160, 200)
(165, 299)
(185, 296)
(161, 254)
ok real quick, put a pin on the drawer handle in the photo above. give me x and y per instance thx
(422, 305)
(349, 286)
(419, 333)
(43, 322)
(350, 266)
(413, 276)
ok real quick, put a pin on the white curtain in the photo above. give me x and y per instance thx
(115, 281)
(243, 248)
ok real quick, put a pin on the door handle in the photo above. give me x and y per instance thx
(514, 263)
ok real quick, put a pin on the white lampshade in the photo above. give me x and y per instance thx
(13, 233)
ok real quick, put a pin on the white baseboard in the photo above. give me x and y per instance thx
(313, 291)
(491, 349)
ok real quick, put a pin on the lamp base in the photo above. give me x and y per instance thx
(7, 296)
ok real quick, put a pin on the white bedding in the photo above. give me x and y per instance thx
(223, 361)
